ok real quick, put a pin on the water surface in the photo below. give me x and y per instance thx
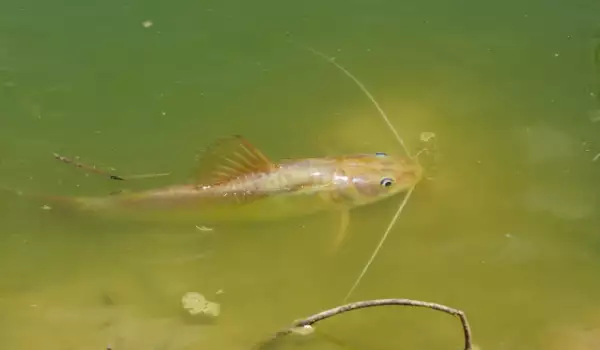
(505, 230)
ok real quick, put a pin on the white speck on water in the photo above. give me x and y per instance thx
(204, 228)
(556, 54)
(46, 207)
(147, 24)
(163, 113)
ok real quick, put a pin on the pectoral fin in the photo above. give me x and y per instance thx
(342, 229)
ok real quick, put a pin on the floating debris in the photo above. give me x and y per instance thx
(147, 24)
(204, 228)
(196, 304)
(426, 136)
(46, 207)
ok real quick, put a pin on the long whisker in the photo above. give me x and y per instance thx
(383, 238)
(416, 156)
(400, 141)
(367, 93)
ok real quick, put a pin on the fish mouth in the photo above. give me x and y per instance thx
(412, 175)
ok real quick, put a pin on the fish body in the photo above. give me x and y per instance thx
(249, 187)
(236, 182)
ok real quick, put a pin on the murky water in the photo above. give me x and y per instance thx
(506, 229)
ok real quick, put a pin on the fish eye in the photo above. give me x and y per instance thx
(386, 182)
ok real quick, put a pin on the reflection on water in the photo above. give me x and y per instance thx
(505, 229)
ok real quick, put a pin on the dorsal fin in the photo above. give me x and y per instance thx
(229, 158)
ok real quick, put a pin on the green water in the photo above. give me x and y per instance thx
(507, 229)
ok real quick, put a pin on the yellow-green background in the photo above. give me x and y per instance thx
(507, 230)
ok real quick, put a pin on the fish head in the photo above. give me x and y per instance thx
(369, 178)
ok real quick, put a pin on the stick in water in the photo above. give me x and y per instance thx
(94, 169)
(309, 321)
(391, 126)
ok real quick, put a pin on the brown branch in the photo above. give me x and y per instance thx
(94, 169)
(309, 321)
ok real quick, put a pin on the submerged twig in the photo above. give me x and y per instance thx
(309, 321)
(94, 169)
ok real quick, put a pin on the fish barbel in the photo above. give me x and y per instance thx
(236, 181)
